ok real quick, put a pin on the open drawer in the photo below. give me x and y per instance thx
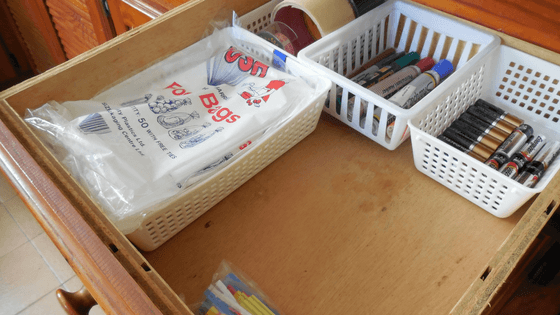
(335, 224)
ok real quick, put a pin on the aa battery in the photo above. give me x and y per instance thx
(460, 147)
(510, 146)
(521, 158)
(539, 165)
(476, 135)
(484, 126)
(491, 117)
(392, 84)
(469, 144)
(514, 120)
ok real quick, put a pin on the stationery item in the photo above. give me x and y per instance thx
(461, 148)
(232, 293)
(422, 85)
(511, 145)
(386, 53)
(484, 126)
(282, 36)
(393, 83)
(514, 120)
(526, 155)
(531, 175)
(491, 117)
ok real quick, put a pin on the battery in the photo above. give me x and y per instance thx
(470, 145)
(461, 148)
(483, 126)
(533, 173)
(521, 158)
(510, 146)
(491, 117)
(514, 120)
(476, 135)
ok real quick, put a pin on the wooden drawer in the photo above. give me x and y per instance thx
(336, 223)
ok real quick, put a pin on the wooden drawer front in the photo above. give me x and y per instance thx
(81, 25)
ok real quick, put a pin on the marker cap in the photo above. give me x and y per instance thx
(425, 64)
(444, 68)
(407, 59)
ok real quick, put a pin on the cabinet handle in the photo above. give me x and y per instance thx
(77, 303)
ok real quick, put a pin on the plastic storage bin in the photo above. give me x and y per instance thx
(520, 84)
(406, 27)
(177, 214)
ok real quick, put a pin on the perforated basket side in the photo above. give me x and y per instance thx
(156, 229)
(406, 27)
(511, 80)
(258, 19)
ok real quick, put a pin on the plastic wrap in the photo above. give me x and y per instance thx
(156, 134)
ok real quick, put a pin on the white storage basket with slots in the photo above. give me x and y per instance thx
(177, 214)
(520, 84)
(404, 26)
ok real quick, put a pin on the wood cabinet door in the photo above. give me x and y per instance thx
(80, 24)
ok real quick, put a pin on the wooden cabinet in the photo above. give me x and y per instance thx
(336, 224)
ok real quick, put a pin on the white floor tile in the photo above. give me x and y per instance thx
(53, 257)
(24, 279)
(46, 305)
(23, 217)
(11, 237)
(6, 190)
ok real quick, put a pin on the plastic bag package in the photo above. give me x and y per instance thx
(156, 134)
(233, 293)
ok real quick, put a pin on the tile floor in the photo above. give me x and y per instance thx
(31, 268)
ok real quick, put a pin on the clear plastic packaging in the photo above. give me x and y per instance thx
(176, 123)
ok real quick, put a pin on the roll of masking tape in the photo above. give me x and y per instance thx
(313, 19)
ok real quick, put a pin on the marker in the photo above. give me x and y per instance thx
(483, 126)
(491, 117)
(377, 62)
(514, 120)
(521, 158)
(461, 148)
(476, 135)
(422, 85)
(362, 78)
(470, 145)
(392, 84)
(511, 145)
(536, 168)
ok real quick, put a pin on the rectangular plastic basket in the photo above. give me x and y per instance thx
(176, 215)
(520, 84)
(404, 26)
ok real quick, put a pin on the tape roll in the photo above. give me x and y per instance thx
(313, 19)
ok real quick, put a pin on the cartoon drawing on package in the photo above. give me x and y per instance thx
(176, 119)
(163, 105)
(198, 139)
(94, 124)
(138, 101)
(257, 95)
(186, 132)
(208, 167)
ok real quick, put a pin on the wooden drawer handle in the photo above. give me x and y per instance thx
(77, 303)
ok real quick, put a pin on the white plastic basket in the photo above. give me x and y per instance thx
(177, 214)
(404, 26)
(520, 84)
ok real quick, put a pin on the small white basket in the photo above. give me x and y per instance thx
(520, 84)
(404, 26)
(177, 214)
